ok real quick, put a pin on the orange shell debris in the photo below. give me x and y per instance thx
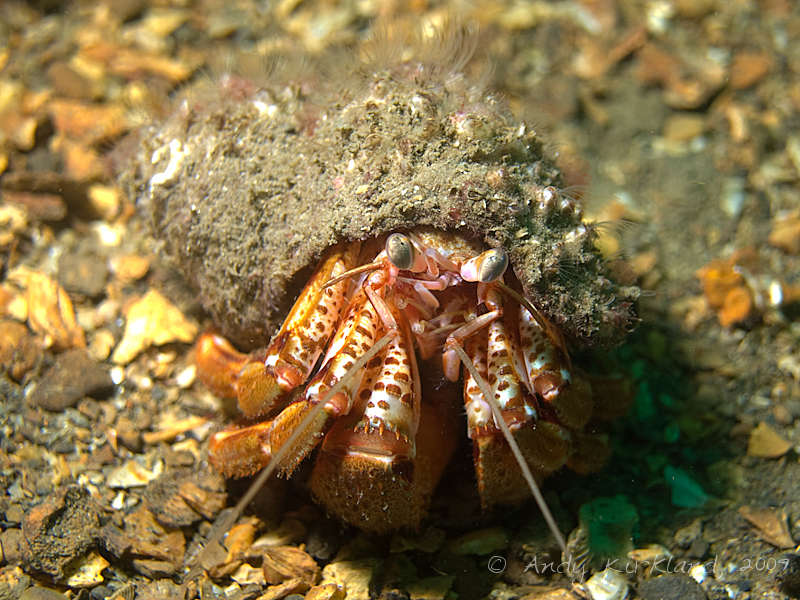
(726, 291)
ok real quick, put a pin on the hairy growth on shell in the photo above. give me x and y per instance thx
(247, 189)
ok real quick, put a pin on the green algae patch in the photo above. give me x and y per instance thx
(610, 524)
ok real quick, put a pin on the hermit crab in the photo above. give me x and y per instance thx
(408, 226)
(384, 436)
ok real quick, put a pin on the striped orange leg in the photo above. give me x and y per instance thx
(260, 381)
(494, 351)
(244, 450)
(550, 375)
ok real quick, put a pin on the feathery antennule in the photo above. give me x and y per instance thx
(437, 52)
(212, 552)
(617, 229)
(569, 270)
(453, 44)
(575, 192)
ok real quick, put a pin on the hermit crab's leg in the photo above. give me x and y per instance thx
(243, 451)
(356, 335)
(218, 364)
(450, 359)
(549, 374)
(488, 268)
(293, 353)
(212, 553)
(554, 334)
(479, 412)
(367, 464)
(515, 449)
(545, 445)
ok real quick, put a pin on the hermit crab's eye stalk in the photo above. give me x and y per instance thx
(486, 267)
(400, 251)
(493, 265)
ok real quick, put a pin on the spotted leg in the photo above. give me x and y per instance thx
(260, 381)
(387, 455)
(545, 445)
(550, 376)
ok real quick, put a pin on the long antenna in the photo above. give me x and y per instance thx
(354, 271)
(512, 443)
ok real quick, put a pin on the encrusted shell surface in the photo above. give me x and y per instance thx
(247, 189)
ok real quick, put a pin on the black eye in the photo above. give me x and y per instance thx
(400, 251)
(493, 265)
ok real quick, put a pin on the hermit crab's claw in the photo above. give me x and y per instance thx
(218, 364)
(378, 467)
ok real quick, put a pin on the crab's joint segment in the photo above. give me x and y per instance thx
(241, 452)
(218, 364)
(289, 421)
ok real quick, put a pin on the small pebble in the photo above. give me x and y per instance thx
(59, 530)
(785, 233)
(671, 585)
(14, 514)
(326, 591)
(18, 349)
(782, 414)
(765, 442)
(104, 200)
(41, 593)
(49, 309)
(101, 345)
(152, 320)
(353, 575)
(88, 572)
(130, 267)
(11, 542)
(683, 127)
(60, 388)
(770, 525)
(132, 474)
(185, 378)
(748, 68)
(84, 274)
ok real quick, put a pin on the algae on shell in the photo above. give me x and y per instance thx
(247, 189)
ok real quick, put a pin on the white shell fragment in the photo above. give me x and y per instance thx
(132, 474)
(608, 584)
